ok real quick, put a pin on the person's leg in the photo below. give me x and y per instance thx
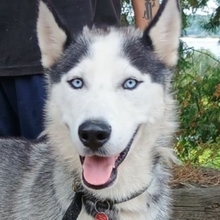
(31, 96)
(9, 123)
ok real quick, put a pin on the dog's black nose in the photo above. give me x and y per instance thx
(94, 134)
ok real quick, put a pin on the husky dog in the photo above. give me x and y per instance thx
(110, 118)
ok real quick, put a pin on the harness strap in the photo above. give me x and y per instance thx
(75, 207)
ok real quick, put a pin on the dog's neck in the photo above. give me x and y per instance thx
(98, 209)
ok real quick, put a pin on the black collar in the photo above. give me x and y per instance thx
(94, 205)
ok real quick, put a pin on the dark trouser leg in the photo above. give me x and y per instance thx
(31, 96)
(9, 123)
(28, 102)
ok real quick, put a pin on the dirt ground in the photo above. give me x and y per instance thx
(190, 176)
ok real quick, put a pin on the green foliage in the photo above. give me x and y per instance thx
(207, 154)
(214, 21)
(127, 13)
(197, 83)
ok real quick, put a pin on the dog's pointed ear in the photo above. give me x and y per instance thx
(164, 32)
(52, 34)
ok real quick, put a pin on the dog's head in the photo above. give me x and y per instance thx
(109, 93)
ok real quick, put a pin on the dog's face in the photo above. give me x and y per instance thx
(107, 85)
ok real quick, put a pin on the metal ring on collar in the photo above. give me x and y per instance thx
(105, 202)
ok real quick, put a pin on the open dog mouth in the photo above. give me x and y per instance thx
(100, 172)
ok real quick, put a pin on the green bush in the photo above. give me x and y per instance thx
(197, 86)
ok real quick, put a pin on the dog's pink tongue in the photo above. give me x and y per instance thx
(97, 170)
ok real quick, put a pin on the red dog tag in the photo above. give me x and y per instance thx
(101, 216)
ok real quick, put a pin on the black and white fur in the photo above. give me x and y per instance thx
(36, 178)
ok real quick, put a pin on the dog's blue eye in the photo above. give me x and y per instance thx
(130, 84)
(76, 83)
